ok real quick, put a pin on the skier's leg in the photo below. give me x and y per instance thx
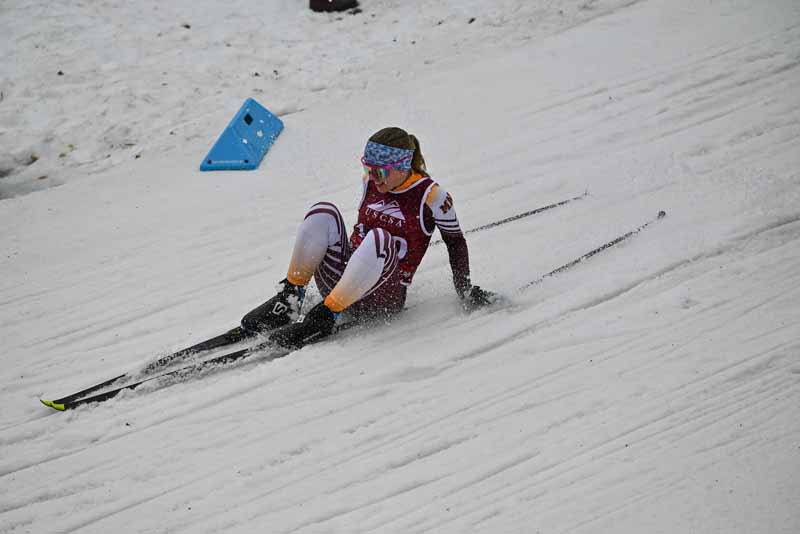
(320, 249)
(370, 269)
(320, 246)
(370, 266)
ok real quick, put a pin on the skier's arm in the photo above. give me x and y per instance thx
(444, 216)
(459, 262)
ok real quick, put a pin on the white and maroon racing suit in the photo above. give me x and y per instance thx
(371, 271)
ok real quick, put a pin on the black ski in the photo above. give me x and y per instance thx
(230, 337)
(182, 372)
(275, 352)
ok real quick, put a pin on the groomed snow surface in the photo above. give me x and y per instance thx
(654, 388)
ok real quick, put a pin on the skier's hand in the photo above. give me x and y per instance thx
(476, 297)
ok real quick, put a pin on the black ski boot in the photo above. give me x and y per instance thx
(319, 323)
(280, 310)
(332, 5)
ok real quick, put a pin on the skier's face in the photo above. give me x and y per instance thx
(378, 175)
(381, 173)
(394, 178)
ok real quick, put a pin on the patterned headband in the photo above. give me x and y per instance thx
(378, 154)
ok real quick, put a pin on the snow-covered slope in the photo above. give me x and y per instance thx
(85, 87)
(654, 388)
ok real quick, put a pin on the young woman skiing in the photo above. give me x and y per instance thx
(368, 275)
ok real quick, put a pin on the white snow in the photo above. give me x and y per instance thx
(654, 388)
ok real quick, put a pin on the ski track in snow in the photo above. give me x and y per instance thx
(653, 388)
(724, 400)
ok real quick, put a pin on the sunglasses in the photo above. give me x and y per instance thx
(379, 173)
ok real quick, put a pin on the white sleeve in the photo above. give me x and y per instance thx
(444, 213)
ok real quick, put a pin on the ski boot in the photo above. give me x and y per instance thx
(318, 323)
(278, 311)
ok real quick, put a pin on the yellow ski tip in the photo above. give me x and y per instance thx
(51, 404)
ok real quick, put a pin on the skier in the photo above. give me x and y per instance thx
(368, 275)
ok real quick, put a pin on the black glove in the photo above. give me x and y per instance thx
(475, 298)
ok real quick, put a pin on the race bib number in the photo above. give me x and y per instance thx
(401, 245)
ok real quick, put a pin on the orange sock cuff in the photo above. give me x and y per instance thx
(296, 279)
(334, 304)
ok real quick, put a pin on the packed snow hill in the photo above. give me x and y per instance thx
(653, 386)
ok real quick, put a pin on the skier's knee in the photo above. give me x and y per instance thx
(324, 208)
(386, 245)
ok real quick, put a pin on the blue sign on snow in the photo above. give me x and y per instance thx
(245, 140)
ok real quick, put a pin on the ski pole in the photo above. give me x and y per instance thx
(661, 215)
(518, 216)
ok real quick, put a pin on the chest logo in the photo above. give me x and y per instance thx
(388, 213)
(392, 209)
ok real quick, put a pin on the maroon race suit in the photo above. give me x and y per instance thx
(411, 213)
